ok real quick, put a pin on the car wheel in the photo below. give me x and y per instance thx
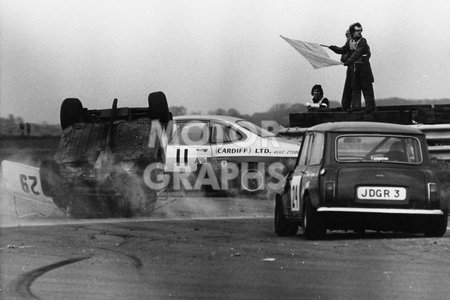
(71, 112)
(158, 108)
(313, 225)
(437, 226)
(282, 226)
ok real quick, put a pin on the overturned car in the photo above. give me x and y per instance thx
(98, 168)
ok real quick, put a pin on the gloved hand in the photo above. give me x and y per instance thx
(333, 48)
(344, 57)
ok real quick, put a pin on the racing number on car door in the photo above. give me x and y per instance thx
(29, 184)
(295, 192)
(185, 159)
(182, 156)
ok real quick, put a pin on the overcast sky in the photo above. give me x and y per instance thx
(207, 54)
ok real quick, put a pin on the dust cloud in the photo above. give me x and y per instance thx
(17, 210)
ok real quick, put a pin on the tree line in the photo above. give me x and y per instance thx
(16, 126)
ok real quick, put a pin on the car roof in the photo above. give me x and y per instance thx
(228, 119)
(365, 127)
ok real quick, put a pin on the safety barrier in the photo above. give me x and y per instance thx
(438, 139)
(437, 135)
(432, 119)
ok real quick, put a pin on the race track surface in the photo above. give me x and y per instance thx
(211, 248)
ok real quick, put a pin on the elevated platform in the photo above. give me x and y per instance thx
(398, 114)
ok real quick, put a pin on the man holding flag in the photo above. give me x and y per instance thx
(359, 68)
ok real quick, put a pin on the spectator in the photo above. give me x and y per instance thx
(318, 100)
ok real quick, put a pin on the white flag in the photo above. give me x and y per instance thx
(313, 52)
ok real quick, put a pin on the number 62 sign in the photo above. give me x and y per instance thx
(23, 180)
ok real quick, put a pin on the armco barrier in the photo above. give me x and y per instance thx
(432, 119)
(438, 139)
(437, 135)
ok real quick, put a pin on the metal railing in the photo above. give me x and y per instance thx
(437, 135)
(438, 139)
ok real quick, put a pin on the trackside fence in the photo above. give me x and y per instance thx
(438, 139)
(433, 120)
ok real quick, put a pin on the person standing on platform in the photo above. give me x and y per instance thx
(359, 68)
(347, 93)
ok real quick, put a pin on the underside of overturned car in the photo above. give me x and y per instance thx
(98, 169)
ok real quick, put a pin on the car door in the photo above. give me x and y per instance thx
(306, 175)
(189, 147)
(310, 183)
(228, 150)
(295, 179)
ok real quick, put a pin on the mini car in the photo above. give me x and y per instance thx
(228, 154)
(99, 165)
(361, 176)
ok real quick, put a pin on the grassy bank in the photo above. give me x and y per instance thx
(28, 150)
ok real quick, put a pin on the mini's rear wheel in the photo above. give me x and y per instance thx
(437, 226)
(313, 225)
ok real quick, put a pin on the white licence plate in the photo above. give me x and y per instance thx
(381, 193)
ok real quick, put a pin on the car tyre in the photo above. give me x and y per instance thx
(282, 226)
(71, 112)
(158, 108)
(313, 225)
(437, 226)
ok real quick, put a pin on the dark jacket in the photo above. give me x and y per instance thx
(360, 55)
